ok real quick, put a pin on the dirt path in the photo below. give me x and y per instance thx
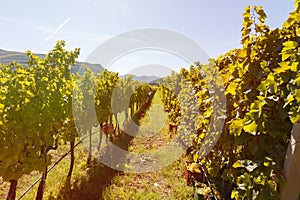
(164, 183)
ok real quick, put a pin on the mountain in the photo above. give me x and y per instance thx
(147, 79)
(9, 56)
(157, 81)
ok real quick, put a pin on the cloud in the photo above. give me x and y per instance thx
(25, 24)
(84, 35)
(58, 29)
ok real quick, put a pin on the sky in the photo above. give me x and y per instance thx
(213, 24)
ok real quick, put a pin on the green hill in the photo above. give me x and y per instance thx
(9, 56)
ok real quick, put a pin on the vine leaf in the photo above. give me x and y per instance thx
(251, 128)
(247, 164)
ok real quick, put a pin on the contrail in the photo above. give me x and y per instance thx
(58, 29)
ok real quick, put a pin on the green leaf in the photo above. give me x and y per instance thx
(294, 66)
(272, 83)
(262, 15)
(260, 180)
(248, 164)
(286, 55)
(284, 66)
(290, 45)
(237, 164)
(295, 117)
(297, 81)
(273, 186)
(234, 194)
(251, 128)
(288, 99)
(232, 87)
(236, 127)
(257, 106)
(242, 53)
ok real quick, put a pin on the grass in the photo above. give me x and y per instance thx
(98, 181)
(167, 183)
(56, 177)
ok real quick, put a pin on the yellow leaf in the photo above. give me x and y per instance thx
(232, 87)
(242, 53)
(251, 128)
(195, 157)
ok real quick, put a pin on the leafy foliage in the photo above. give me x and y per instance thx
(262, 85)
(40, 103)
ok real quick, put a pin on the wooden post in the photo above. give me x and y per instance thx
(291, 190)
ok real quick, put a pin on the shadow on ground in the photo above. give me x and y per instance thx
(99, 176)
